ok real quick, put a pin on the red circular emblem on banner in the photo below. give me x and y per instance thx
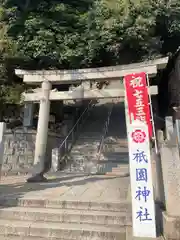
(138, 136)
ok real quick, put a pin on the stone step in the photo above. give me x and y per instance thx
(108, 166)
(94, 129)
(117, 154)
(116, 146)
(84, 148)
(81, 155)
(115, 150)
(113, 158)
(89, 139)
(56, 230)
(119, 169)
(96, 169)
(117, 174)
(116, 161)
(110, 138)
(77, 157)
(85, 161)
(81, 149)
(10, 201)
(93, 122)
(64, 216)
(114, 139)
(89, 164)
(80, 152)
(85, 141)
(89, 155)
(113, 162)
(10, 237)
(78, 170)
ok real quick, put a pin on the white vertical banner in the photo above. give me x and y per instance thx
(143, 205)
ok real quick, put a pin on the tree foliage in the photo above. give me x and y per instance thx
(85, 33)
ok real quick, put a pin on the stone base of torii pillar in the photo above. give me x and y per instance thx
(41, 137)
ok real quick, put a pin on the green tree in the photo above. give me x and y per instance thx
(9, 92)
(73, 34)
(48, 32)
(84, 33)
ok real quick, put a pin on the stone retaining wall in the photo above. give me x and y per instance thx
(19, 149)
(168, 178)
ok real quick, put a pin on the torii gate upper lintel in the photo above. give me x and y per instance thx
(91, 74)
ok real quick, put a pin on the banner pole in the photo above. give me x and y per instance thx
(152, 117)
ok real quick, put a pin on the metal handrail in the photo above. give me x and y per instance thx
(106, 126)
(66, 146)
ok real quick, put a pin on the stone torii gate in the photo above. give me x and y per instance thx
(80, 76)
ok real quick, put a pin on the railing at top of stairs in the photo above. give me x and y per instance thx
(59, 155)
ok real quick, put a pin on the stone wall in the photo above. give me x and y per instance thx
(19, 146)
(169, 162)
(19, 151)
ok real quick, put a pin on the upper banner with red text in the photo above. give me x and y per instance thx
(138, 99)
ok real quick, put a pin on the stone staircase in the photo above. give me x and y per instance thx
(59, 220)
(70, 207)
(83, 156)
(114, 158)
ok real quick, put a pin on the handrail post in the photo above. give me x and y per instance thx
(66, 145)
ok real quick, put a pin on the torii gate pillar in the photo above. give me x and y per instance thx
(42, 135)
